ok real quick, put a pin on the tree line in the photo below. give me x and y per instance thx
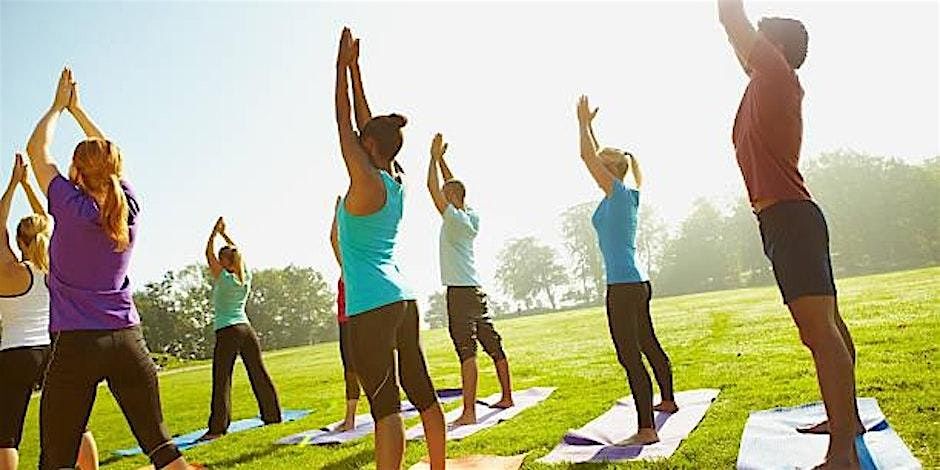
(883, 215)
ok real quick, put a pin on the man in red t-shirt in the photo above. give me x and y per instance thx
(768, 132)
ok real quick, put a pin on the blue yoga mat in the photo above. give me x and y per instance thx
(770, 440)
(187, 441)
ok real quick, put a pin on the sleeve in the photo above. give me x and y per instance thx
(66, 201)
(133, 205)
(765, 58)
(458, 219)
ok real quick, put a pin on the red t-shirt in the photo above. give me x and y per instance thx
(768, 129)
(341, 302)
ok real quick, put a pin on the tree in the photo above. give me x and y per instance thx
(696, 260)
(581, 243)
(528, 269)
(651, 236)
(436, 315)
(291, 307)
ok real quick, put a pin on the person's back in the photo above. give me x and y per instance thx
(88, 282)
(25, 317)
(458, 232)
(229, 296)
(367, 244)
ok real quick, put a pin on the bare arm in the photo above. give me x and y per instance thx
(78, 112)
(362, 174)
(637, 174)
(6, 252)
(334, 234)
(445, 170)
(589, 149)
(361, 105)
(215, 268)
(438, 148)
(34, 201)
(741, 32)
(38, 146)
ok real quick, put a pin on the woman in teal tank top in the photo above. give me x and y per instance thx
(234, 336)
(383, 315)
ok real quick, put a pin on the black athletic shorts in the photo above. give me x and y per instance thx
(21, 371)
(796, 241)
(374, 336)
(469, 322)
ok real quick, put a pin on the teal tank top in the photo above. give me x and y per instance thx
(367, 244)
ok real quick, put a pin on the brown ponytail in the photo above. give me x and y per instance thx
(98, 166)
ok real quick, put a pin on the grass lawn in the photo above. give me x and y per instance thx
(742, 342)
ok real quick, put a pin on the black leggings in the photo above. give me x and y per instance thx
(230, 342)
(80, 361)
(628, 315)
(21, 370)
(349, 372)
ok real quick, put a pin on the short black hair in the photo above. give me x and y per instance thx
(791, 34)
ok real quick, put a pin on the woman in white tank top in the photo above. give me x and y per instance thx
(24, 317)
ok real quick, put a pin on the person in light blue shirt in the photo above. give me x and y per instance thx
(384, 324)
(628, 287)
(468, 318)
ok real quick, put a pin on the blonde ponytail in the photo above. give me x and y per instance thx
(32, 235)
(114, 214)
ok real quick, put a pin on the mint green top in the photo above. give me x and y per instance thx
(458, 230)
(367, 244)
(229, 298)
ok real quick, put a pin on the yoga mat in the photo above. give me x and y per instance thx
(187, 441)
(478, 462)
(487, 416)
(364, 425)
(595, 442)
(770, 440)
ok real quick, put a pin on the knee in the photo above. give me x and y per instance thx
(815, 337)
(494, 349)
(466, 350)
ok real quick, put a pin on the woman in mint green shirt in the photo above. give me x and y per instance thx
(234, 336)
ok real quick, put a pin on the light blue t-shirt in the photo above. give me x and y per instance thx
(459, 229)
(615, 221)
(229, 298)
(367, 244)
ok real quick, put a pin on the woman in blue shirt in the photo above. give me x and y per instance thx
(383, 315)
(628, 287)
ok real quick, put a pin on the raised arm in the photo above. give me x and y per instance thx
(362, 174)
(38, 146)
(589, 149)
(34, 201)
(215, 268)
(360, 104)
(445, 170)
(438, 148)
(78, 112)
(635, 168)
(19, 173)
(741, 32)
(334, 234)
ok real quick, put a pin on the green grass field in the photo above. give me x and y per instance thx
(742, 342)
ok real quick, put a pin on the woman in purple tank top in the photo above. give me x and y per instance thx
(95, 326)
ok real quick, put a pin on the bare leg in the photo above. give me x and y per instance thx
(389, 442)
(432, 419)
(823, 427)
(468, 376)
(349, 422)
(88, 452)
(505, 384)
(9, 459)
(815, 318)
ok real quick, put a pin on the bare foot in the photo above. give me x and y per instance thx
(344, 426)
(503, 404)
(208, 437)
(464, 420)
(823, 428)
(666, 407)
(643, 437)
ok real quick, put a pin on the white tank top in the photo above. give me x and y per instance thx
(25, 317)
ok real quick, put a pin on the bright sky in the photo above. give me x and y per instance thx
(226, 108)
